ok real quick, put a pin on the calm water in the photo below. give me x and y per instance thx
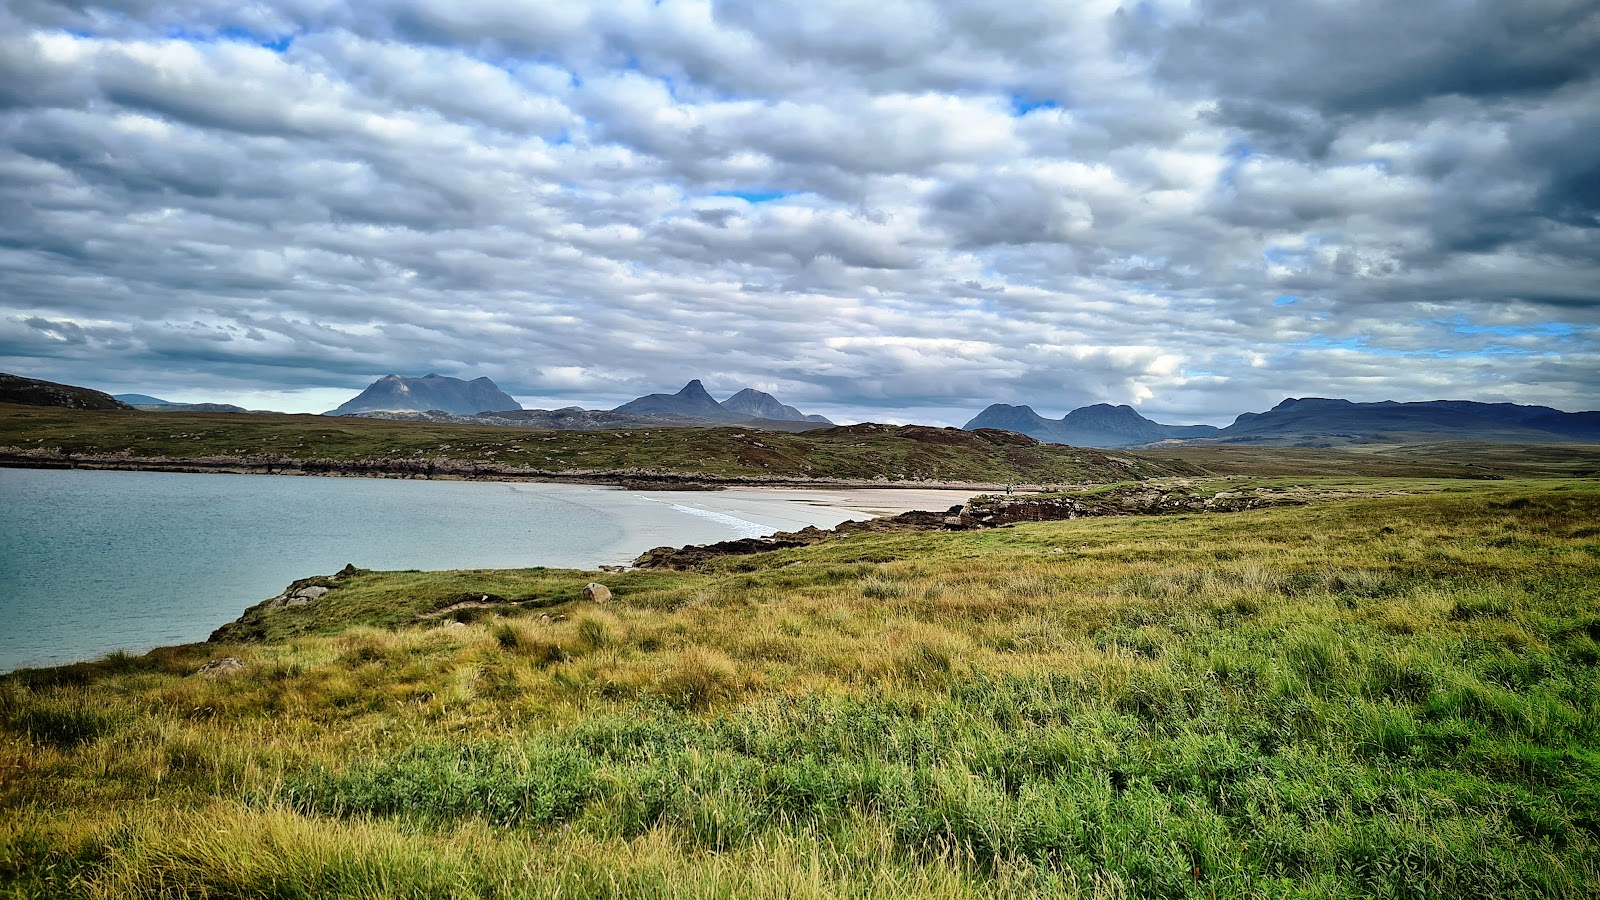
(92, 562)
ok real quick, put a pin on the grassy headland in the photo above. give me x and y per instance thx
(329, 445)
(1388, 696)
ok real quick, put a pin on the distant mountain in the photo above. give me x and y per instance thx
(573, 418)
(761, 405)
(441, 392)
(691, 401)
(1322, 421)
(33, 392)
(148, 403)
(200, 407)
(1101, 425)
(694, 402)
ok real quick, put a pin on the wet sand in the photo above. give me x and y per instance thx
(870, 502)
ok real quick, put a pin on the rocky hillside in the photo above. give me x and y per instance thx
(33, 392)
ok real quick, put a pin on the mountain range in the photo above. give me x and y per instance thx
(1306, 422)
(1296, 422)
(440, 398)
(694, 402)
(1101, 425)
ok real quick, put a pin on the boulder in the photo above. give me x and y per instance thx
(596, 592)
(227, 665)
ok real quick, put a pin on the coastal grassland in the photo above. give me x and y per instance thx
(331, 445)
(1398, 459)
(1390, 697)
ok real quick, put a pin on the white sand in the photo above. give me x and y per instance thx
(869, 502)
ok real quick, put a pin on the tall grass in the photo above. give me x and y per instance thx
(1380, 698)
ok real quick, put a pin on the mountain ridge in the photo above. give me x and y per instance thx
(432, 391)
(695, 402)
(1305, 421)
(1100, 425)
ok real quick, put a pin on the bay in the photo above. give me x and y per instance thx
(96, 561)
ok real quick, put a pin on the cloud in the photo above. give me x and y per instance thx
(903, 211)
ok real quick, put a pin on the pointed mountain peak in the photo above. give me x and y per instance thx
(762, 405)
(692, 389)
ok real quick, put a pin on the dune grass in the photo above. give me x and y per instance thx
(1391, 697)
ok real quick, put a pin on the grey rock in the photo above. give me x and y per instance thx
(227, 665)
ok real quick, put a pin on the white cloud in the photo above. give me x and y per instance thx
(897, 211)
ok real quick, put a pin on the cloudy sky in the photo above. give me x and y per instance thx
(895, 210)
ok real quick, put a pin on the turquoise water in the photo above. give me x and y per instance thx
(92, 562)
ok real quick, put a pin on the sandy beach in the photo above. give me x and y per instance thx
(869, 502)
(759, 511)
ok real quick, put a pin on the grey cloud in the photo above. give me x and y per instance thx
(1009, 210)
(544, 194)
(1367, 55)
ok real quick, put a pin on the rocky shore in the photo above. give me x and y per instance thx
(991, 511)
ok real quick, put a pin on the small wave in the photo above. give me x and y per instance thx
(743, 527)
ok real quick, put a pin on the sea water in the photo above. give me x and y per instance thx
(93, 561)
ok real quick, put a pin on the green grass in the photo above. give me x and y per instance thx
(1391, 696)
(321, 444)
(1428, 458)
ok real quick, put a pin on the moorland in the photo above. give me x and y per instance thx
(1393, 691)
(305, 444)
(1376, 674)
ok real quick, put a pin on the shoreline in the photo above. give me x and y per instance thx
(643, 520)
(452, 470)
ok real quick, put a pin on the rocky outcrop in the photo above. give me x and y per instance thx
(252, 624)
(681, 558)
(298, 597)
(217, 668)
(596, 592)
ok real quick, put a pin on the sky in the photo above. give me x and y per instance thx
(892, 211)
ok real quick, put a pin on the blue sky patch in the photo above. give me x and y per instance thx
(276, 43)
(1023, 103)
(1284, 300)
(754, 196)
(1460, 325)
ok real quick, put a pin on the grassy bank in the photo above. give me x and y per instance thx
(1393, 696)
(332, 445)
